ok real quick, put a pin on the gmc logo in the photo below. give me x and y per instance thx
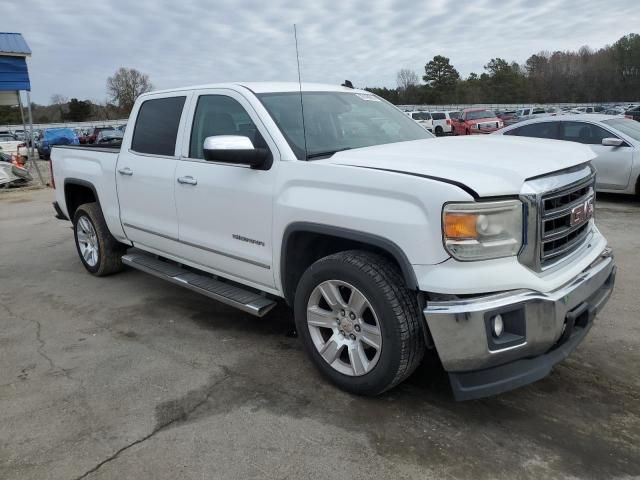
(582, 213)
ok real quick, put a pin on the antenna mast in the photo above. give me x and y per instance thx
(304, 130)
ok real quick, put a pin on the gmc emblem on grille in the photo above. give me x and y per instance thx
(582, 213)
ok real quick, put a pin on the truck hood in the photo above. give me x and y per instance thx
(487, 165)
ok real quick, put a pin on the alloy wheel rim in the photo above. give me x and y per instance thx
(344, 328)
(88, 241)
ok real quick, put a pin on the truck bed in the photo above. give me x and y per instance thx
(91, 165)
(105, 147)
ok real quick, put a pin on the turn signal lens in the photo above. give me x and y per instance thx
(460, 226)
(482, 230)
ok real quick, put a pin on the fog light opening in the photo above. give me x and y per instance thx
(497, 326)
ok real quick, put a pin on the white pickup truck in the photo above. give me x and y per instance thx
(386, 242)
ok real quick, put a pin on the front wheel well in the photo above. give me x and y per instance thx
(304, 245)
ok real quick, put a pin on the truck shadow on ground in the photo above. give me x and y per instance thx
(575, 421)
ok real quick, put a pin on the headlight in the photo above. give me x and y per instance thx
(479, 231)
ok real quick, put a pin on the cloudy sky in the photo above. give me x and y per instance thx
(78, 44)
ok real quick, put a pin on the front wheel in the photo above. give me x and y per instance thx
(358, 322)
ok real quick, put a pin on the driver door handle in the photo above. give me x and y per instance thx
(188, 180)
(125, 171)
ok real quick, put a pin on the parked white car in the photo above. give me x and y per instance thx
(11, 146)
(384, 240)
(615, 141)
(528, 113)
(423, 119)
(581, 110)
(443, 122)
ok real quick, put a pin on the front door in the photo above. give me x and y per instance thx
(225, 210)
(612, 164)
(145, 175)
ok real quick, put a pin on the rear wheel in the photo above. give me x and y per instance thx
(467, 132)
(99, 252)
(358, 322)
(439, 131)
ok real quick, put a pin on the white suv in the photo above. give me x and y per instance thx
(423, 119)
(443, 122)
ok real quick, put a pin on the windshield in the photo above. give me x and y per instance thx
(338, 121)
(478, 114)
(629, 127)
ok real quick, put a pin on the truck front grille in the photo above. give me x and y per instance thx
(558, 216)
(558, 236)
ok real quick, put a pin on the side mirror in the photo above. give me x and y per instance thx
(612, 142)
(234, 149)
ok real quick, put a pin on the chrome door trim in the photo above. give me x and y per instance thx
(201, 247)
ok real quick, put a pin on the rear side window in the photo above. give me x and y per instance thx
(438, 116)
(156, 127)
(536, 130)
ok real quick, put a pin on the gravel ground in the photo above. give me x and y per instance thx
(131, 377)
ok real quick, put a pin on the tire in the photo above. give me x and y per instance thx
(389, 317)
(102, 253)
(439, 131)
(467, 132)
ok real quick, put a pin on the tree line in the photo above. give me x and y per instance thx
(123, 87)
(608, 74)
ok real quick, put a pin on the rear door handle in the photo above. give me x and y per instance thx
(125, 171)
(188, 180)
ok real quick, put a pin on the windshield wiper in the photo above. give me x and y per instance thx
(326, 154)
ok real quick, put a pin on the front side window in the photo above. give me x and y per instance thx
(336, 121)
(536, 130)
(586, 133)
(157, 125)
(627, 126)
(221, 115)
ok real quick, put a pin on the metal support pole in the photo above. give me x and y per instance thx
(32, 157)
(24, 124)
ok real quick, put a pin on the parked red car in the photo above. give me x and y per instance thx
(476, 120)
(93, 136)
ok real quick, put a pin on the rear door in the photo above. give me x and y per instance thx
(145, 174)
(613, 164)
(225, 210)
(536, 130)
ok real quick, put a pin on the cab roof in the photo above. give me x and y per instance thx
(267, 87)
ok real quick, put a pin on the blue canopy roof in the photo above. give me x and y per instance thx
(13, 65)
(13, 44)
(14, 74)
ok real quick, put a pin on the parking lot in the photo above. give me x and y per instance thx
(131, 377)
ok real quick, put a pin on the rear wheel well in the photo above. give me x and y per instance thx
(77, 194)
(301, 248)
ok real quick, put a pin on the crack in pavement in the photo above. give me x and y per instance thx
(183, 416)
(41, 343)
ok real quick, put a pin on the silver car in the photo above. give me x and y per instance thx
(615, 140)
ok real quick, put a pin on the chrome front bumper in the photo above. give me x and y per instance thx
(536, 325)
